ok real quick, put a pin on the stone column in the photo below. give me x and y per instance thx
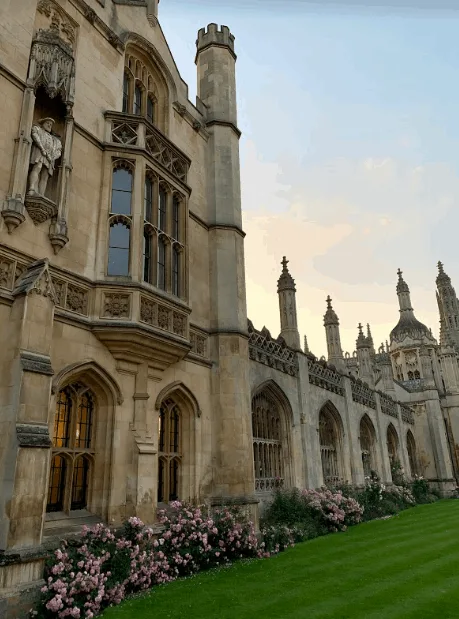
(25, 411)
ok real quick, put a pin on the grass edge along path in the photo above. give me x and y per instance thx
(403, 567)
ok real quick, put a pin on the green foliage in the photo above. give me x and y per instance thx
(398, 473)
(421, 490)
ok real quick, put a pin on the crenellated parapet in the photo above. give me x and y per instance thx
(213, 36)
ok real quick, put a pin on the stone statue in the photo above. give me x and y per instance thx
(46, 149)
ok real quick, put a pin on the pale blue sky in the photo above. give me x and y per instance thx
(350, 152)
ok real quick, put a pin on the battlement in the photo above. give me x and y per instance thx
(213, 36)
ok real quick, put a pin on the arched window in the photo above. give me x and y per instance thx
(72, 450)
(145, 91)
(392, 444)
(367, 445)
(169, 451)
(329, 433)
(412, 456)
(120, 221)
(161, 265)
(267, 443)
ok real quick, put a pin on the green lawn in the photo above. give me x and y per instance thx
(407, 566)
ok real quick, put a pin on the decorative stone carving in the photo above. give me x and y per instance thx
(321, 375)
(52, 65)
(165, 153)
(362, 394)
(264, 349)
(388, 405)
(60, 286)
(40, 208)
(6, 273)
(179, 324)
(36, 279)
(77, 299)
(148, 311)
(163, 318)
(117, 305)
(407, 414)
(124, 132)
(46, 150)
(58, 234)
(13, 214)
(59, 21)
(198, 343)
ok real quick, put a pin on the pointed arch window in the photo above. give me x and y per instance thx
(126, 88)
(392, 444)
(412, 455)
(169, 451)
(329, 439)
(367, 446)
(72, 449)
(267, 443)
(137, 107)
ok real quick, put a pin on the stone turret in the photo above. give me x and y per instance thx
(370, 341)
(387, 379)
(364, 358)
(331, 323)
(448, 307)
(287, 307)
(216, 71)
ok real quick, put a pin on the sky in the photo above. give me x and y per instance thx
(349, 151)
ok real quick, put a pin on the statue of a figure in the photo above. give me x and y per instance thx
(46, 149)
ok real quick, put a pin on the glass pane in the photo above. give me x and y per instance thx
(122, 180)
(56, 485)
(175, 218)
(80, 484)
(174, 431)
(148, 200)
(147, 258)
(84, 422)
(161, 429)
(161, 480)
(125, 93)
(173, 480)
(137, 100)
(62, 419)
(162, 210)
(150, 109)
(121, 202)
(119, 236)
(118, 261)
(161, 264)
(175, 272)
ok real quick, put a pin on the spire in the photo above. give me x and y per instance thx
(361, 339)
(306, 347)
(287, 306)
(442, 278)
(408, 325)
(330, 317)
(285, 281)
(403, 293)
(370, 340)
(331, 323)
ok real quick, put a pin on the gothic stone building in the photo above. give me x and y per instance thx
(130, 375)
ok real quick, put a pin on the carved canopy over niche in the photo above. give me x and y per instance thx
(52, 55)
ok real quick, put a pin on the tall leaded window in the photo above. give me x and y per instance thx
(176, 271)
(72, 449)
(392, 444)
(148, 230)
(267, 443)
(176, 217)
(412, 455)
(161, 267)
(169, 451)
(150, 109)
(367, 446)
(120, 221)
(162, 209)
(329, 447)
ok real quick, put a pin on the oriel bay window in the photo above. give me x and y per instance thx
(72, 450)
(160, 247)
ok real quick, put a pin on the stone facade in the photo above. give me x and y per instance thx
(130, 374)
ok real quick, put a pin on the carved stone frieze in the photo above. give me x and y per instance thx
(164, 318)
(179, 324)
(76, 299)
(321, 375)
(158, 315)
(116, 305)
(148, 311)
(52, 65)
(362, 394)
(164, 152)
(264, 349)
(407, 414)
(198, 343)
(125, 132)
(388, 405)
(36, 279)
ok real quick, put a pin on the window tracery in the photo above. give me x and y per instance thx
(392, 444)
(367, 444)
(72, 450)
(267, 443)
(329, 447)
(412, 455)
(120, 219)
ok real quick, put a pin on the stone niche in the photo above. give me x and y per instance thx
(42, 162)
